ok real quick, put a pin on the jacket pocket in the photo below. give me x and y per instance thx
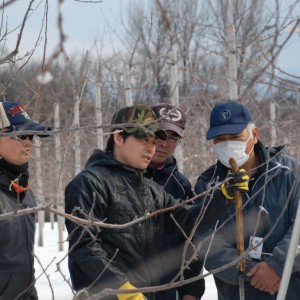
(5, 279)
(15, 286)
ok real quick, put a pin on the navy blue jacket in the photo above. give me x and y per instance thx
(270, 209)
(173, 181)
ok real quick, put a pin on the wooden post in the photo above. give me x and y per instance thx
(239, 232)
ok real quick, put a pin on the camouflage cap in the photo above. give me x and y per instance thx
(140, 114)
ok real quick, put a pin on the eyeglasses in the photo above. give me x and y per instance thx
(173, 139)
(22, 137)
(35, 138)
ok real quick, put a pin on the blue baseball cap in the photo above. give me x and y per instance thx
(228, 117)
(13, 117)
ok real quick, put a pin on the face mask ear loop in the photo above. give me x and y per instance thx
(250, 133)
(251, 150)
(251, 136)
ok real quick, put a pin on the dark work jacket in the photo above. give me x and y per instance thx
(177, 185)
(173, 181)
(16, 245)
(272, 201)
(110, 191)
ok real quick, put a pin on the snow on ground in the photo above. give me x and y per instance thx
(52, 260)
(48, 257)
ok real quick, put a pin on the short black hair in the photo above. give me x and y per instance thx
(110, 145)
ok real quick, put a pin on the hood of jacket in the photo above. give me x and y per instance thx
(101, 158)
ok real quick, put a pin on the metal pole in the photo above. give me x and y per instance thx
(289, 262)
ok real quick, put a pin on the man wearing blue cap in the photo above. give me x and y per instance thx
(269, 206)
(17, 233)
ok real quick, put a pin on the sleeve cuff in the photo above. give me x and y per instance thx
(270, 260)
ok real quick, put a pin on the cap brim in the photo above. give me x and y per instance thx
(161, 134)
(141, 133)
(213, 132)
(31, 126)
(171, 126)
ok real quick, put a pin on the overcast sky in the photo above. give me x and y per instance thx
(84, 22)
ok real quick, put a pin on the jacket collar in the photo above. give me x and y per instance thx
(168, 167)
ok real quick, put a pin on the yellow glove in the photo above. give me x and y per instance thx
(128, 286)
(237, 181)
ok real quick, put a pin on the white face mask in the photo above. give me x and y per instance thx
(236, 149)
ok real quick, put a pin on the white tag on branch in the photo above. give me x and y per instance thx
(44, 78)
(256, 252)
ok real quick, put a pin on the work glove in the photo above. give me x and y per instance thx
(128, 286)
(236, 181)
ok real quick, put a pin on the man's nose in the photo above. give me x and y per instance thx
(161, 142)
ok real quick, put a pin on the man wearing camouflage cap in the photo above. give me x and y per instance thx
(112, 189)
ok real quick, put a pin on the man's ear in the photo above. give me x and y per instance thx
(118, 138)
(255, 135)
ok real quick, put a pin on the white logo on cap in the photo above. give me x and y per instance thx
(225, 115)
(25, 115)
(170, 114)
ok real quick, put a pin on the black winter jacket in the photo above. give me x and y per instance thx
(16, 245)
(177, 185)
(272, 201)
(110, 191)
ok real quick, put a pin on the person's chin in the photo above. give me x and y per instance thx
(25, 158)
(159, 158)
(141, 166)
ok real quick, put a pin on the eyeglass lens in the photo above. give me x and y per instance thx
(25, 136)
(22, 137)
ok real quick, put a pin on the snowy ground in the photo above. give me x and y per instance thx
(52, 260)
